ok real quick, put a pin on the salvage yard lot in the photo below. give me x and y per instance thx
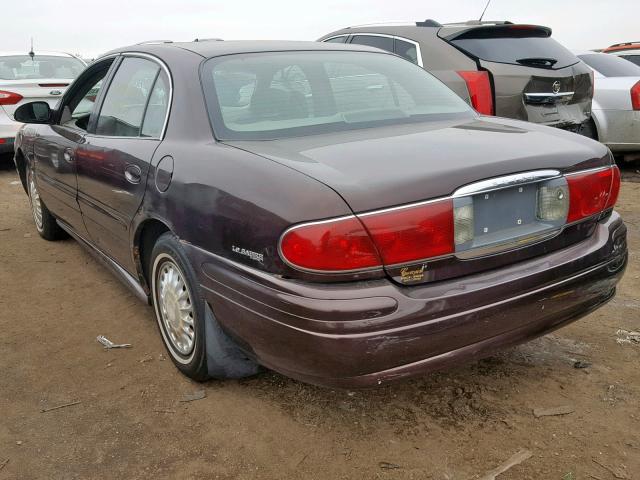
(126, 414)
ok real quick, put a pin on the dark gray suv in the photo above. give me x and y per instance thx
(500, 68)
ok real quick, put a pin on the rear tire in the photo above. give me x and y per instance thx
(589, 130)
(46, 224)
(191, 334)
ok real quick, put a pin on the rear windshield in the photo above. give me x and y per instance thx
(277, 95)
(632, 58)
(610, 65)
(532, 51)
(23, 67)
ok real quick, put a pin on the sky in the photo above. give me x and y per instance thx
(92, 28)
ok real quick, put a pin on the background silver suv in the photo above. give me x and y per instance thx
(500, 68)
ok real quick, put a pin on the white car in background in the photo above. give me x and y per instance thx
(26, 78)
(615, 116)
(629, 51)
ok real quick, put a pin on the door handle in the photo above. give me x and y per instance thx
(133, 174)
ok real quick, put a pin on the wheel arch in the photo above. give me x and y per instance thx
(145, 237)
(21, 166)
(597, 118)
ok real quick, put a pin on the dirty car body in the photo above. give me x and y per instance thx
(350, 220)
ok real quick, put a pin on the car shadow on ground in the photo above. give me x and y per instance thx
(6, 162)
(472, 393)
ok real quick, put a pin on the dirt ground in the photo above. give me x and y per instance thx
(131, 422)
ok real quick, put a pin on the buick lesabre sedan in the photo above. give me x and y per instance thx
(331, 212)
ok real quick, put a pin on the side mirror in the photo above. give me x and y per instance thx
(33, 112)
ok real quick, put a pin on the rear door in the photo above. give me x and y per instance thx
(534, 77)
(41, 77)
(113, 161)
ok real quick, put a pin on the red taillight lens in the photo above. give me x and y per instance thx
(591, 193)
(336, 245)
(479, 88)
(615, 188)
(391, 237)
(635, 96)
(414, 233)
(9, 98)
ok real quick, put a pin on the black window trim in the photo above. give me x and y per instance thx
(346, 42)
(163, 66)
(71, 92)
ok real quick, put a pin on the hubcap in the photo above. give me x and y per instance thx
(36, 204)
(176, 309)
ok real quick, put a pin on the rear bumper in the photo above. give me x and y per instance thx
(619, 129)
(366, 333)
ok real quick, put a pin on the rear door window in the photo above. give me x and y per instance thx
(384, 43)
(124, 104)
(516, 46)
(340, 39)
(156, 112)
(610, 65)
(406, 50)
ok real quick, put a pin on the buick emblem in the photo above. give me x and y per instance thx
(55, 92)
(556, 86)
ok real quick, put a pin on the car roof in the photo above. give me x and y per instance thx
(216, 48)
(37, 53)
(423, 30)
(618, 47)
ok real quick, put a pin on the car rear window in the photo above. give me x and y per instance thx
(632, 58)
(610, 65)
(23, 67)
(278, 95)
(516, 45)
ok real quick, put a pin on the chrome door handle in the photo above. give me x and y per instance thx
(133, 174)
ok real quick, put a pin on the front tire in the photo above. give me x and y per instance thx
(46, 224)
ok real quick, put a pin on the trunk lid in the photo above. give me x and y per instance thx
(395, 165)
(49, 90)
(379, 168)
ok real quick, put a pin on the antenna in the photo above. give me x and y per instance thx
(485, 9)
(31, 53)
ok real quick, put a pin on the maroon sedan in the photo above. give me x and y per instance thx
(332, 212)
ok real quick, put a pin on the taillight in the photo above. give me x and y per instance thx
(335, 245)
(9, 98)
(414, 233)
(479, 88)
(635, 96)
(615, 188)
(431, 229)
(592, 192)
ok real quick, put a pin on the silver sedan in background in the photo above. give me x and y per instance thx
(615, 117)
